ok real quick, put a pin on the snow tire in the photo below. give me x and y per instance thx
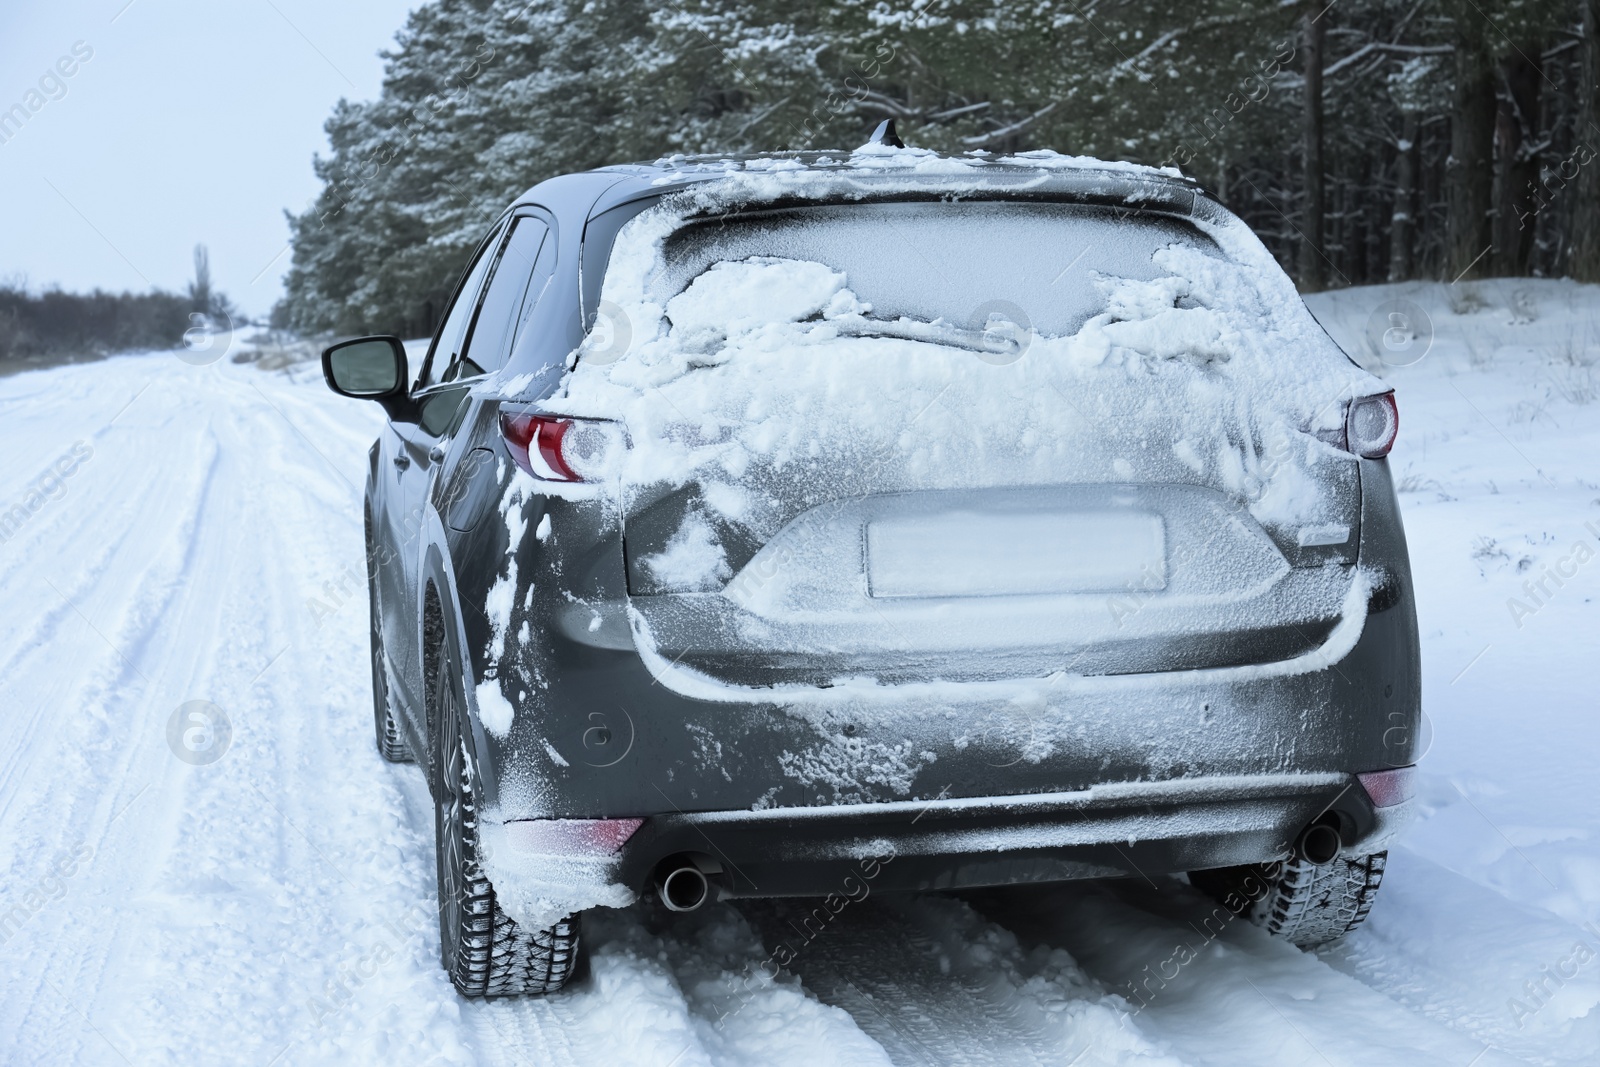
(1302, 903)
(485, 951)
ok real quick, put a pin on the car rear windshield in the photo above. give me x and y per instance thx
(1030, 263)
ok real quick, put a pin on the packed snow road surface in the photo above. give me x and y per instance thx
(206, 862)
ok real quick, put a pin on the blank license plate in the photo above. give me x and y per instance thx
(967, 553)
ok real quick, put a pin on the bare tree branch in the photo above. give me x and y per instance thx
(982, 140)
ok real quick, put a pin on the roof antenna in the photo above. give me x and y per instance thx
(885, 134)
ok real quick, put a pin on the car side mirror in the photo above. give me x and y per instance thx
(369, 368)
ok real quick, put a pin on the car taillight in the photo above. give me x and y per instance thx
(1388, 788)
(553, 448)
(1371, 426)
(534, 441)
(571, 837)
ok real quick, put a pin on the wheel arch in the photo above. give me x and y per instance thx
(442, 627)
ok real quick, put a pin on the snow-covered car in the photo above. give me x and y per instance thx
(809, 525)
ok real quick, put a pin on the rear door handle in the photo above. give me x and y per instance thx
(402, 461)
(436, 454)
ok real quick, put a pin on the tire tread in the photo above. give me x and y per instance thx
(1300, 902)
(494, 955)
(497, 956)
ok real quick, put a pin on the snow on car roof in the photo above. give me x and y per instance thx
(876, 169)
(879, 170)
(903, 161)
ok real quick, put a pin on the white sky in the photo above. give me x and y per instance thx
(195, 121)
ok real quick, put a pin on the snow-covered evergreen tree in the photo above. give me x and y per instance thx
(484, 98)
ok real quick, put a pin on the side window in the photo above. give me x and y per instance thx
(447, 344)
(543, 271)
(485, 347)
(442, 410)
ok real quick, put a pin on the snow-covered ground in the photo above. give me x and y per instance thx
(193, 534)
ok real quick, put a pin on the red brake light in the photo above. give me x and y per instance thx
(1388, 788)
(1372, 425)
(571, 837)
(534, 441)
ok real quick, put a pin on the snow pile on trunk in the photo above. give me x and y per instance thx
(768, 361)
(735, 298)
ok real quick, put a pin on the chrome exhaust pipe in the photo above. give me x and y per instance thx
(683, 882)
(683, 888)
(1319, 844)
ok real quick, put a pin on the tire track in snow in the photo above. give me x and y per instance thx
(114, 618)
(289, 843)
(528, 1032)
(1424, 947)
(144, 664)
(68, 798)
(102, 532)
(1244, 998)
(934, 983)
(685, 991)
(216, 876)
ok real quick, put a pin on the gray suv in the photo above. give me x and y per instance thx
(809, 525)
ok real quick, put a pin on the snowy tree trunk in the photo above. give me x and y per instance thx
(1470, 183)
(1311, 273)
(1517, 128)
(1403, 230)
(1584, 260)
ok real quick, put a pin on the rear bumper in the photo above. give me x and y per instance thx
(1126, 829)
(611, 739)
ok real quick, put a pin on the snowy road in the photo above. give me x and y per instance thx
(197, 538)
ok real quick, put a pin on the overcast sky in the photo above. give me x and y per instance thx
(192, 121)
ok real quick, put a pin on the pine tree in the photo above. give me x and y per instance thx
(1453, 135)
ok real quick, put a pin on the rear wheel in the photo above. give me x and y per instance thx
(1303, 903)
(484, 950)
(391, 743)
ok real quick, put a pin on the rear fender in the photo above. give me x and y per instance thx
(439, 618)
(1397, 654)
(517, 587)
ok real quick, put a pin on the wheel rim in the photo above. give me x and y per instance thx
(451, 817)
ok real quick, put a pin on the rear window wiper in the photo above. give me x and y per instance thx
(1000, 337)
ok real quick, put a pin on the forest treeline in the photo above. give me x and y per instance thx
(51, 325)
(43, 327)
(1364, 140)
